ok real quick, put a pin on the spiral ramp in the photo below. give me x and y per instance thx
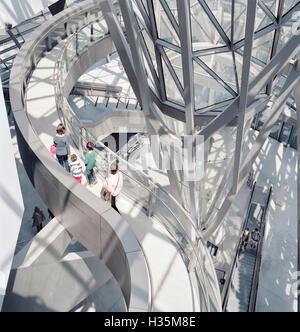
(141, 253)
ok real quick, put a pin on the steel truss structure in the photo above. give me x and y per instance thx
(212, 65)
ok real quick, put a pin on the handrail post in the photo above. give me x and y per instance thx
(150, 200)
(80, 148)
(96, 103)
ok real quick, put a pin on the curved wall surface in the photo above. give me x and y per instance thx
(98, 227)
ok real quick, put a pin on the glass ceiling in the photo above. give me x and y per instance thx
(217, 29)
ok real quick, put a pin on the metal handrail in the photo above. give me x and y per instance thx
(235, 260)
(255, 279)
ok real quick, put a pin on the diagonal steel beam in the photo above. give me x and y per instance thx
(215, 22)
(154, 35)
(142, 14)
(276, 39)
(170, 16)
(249, 33)
(215, 76)
(267, 11)
(172, 71)
(121, 44)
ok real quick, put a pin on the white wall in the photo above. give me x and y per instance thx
(11, 201)
(16, 11)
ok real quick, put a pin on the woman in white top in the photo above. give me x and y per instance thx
(114, 185)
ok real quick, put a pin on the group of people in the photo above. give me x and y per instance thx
(72, 164)
(252, 237)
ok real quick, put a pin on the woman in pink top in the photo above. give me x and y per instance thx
(114, 185)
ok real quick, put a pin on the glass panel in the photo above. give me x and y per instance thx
(84, 38)
(275, 130)
(204, 33)
(289, 4)
(222, 65)
(172, 91)
(294, 142)
(99, 29)
(144, 3)
(164, 27)
(262, 47)
(261, 20)
(150, 47)
(176, 62)
(272, 5)
(71, 54)
(285, 133)
(222, 12)
(207, 90)
(286, 34)
(255, 69)
(240, 10)
(173, 7)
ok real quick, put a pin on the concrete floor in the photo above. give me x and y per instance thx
(279, 257)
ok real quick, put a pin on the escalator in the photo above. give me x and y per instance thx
(242, 290)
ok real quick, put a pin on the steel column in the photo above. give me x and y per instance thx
(250, 26)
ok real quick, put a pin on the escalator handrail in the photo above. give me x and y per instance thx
(255, 278)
